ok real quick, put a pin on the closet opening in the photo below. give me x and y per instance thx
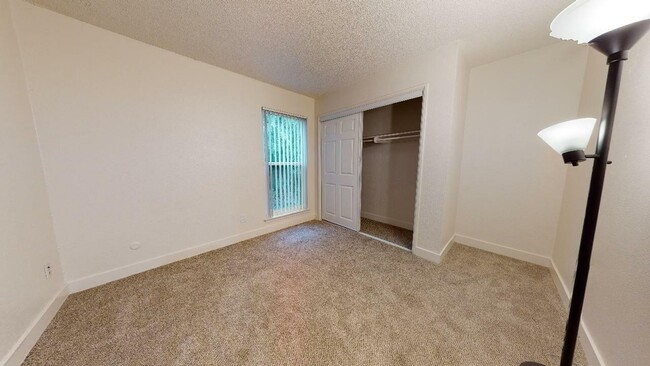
(369, 158)
(389, 169)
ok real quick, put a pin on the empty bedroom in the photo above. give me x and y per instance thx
(373, 182)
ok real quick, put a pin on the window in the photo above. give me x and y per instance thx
(286, 162)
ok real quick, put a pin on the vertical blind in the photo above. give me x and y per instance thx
(286, 160)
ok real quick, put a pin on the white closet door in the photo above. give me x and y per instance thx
(341, 155)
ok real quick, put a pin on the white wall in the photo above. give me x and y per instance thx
(455, 150)
(27, 239)
(438, 70)
(511, 182)
(617, 304)
(389, 171)
(140, 144)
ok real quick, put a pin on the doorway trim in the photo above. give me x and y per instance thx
(406, 94)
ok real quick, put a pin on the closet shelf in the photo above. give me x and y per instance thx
(391, 137)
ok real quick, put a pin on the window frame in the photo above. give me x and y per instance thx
(267, 165)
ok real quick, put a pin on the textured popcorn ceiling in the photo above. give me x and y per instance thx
(314, 47)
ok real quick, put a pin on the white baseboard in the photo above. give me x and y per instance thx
(431, 255)
(145, 265)
(561, 286)
(387, 220)
(504, 250)
(21, 348)
(448, 246)
(594, 358)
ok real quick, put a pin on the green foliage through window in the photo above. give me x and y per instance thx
(286, 159)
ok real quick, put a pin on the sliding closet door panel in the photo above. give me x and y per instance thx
(347, 156)
(348, 125)
(341, 155)
(346, 196)
(330, 204)
(329, 157)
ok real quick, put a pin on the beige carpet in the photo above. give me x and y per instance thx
(393, 234)
(314, 294)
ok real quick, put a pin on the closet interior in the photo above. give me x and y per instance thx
(391, 143)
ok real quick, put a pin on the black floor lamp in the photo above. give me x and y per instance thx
(612, 27)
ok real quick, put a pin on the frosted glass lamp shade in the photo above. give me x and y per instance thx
(585, 20)
(569, 138)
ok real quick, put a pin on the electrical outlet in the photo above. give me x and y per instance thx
(47, 268)
(135, 245)
(243, 219)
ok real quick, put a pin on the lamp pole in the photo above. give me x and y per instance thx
(615, 62)
(615, 45)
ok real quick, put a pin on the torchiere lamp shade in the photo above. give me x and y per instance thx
(585, 20)
(569, 138)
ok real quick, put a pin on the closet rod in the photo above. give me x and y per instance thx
(391, 139)
(388, 137)
(393, 134)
